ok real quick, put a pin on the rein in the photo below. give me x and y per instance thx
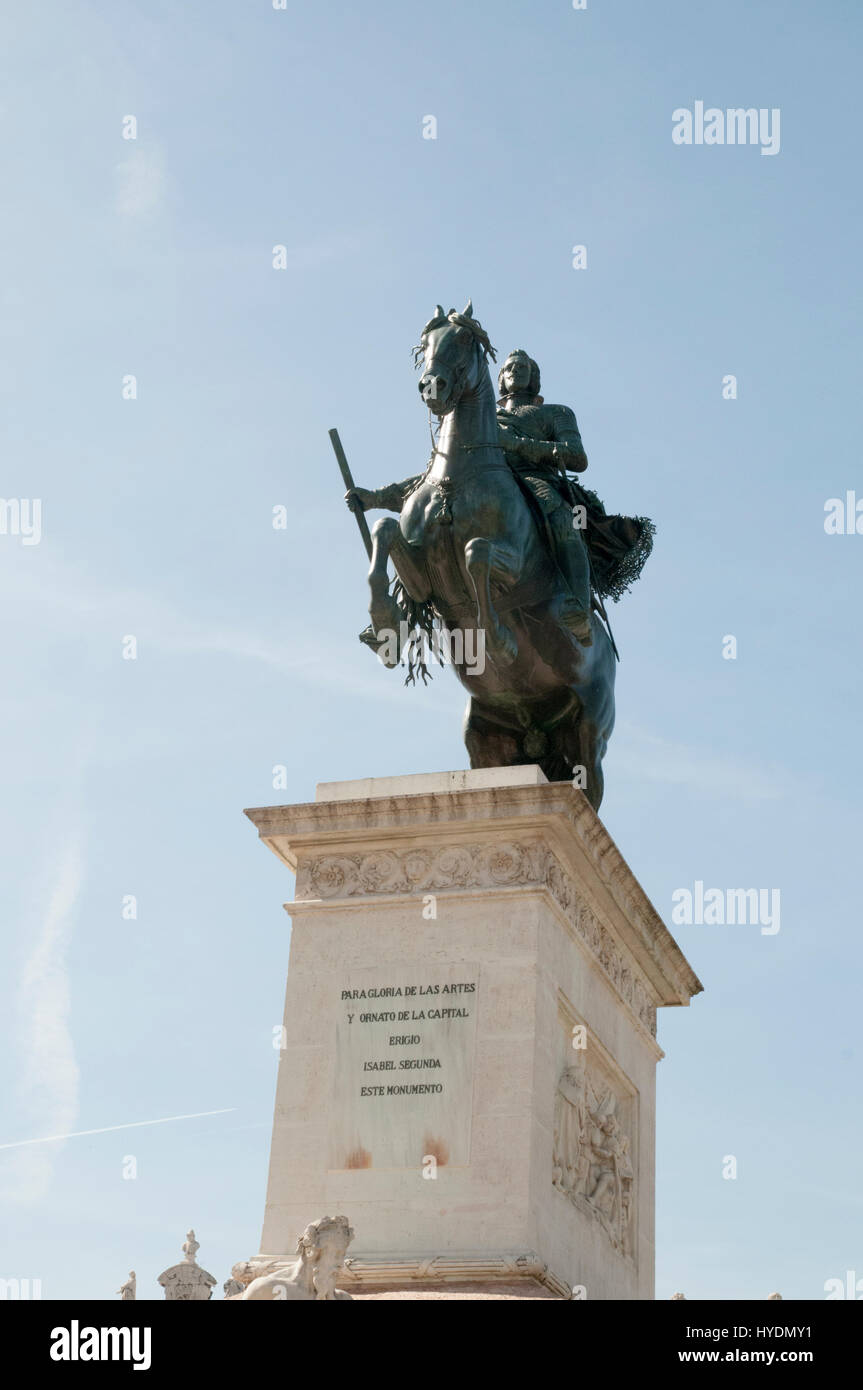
(466, 448)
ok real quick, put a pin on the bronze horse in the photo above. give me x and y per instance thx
(469, 551)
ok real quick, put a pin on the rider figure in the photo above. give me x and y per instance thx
(541, 443)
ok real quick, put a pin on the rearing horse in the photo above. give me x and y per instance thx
(469, 546)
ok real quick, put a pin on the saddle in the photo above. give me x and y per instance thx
(617, 546)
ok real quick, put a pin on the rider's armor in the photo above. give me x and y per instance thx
(539, 440)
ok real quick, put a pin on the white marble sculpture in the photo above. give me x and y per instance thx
(592, 1162)
(127, 1291)
(321, 1251)
(191, 1246)
(187, 1282)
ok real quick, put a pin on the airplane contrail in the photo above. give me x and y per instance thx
(135, 1124)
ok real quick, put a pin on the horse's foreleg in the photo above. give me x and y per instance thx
(486, 561)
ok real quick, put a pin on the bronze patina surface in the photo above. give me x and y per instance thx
(498, 543)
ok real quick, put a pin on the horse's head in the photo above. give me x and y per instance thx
(453, 350)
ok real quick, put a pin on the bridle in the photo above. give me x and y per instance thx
(459, 371)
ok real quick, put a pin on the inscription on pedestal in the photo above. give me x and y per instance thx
(404, 1052)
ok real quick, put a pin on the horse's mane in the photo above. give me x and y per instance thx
(465, 319)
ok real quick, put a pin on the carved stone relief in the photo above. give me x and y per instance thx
(593, 1159)
(500, 864)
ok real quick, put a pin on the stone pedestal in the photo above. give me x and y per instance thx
(470, 1051)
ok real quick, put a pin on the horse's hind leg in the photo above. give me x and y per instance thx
(488, 744)
(578, 748)
(591, 751)
(485, 561)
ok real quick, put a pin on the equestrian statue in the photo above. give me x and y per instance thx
(499, 543)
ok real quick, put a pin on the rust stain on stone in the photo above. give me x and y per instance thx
(436, 1148)
(358, 1158)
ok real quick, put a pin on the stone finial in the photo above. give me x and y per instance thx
(191, 1246)
(127, 1291)
(187, 1282)
(321, 1251)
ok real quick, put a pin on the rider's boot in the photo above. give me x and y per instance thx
(575, 609)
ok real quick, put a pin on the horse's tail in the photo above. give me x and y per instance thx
(420, 618)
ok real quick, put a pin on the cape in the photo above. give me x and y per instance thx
(618, 546)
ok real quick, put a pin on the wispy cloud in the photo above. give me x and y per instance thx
(48, 1076)
(156, 622)
(649, 757)
(160, 625)
(110, 1129)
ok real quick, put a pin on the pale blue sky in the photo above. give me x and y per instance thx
(259, 127)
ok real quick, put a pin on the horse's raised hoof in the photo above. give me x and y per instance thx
(386, 616)
(386, 646)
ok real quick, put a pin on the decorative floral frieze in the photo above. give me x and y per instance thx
(499, 864)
